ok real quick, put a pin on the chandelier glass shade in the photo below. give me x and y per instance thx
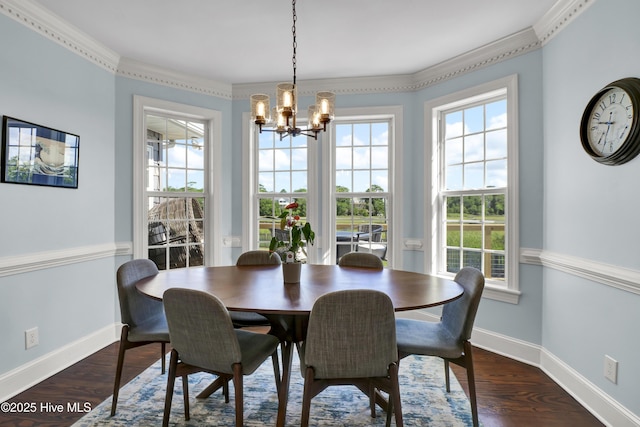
(282, 118)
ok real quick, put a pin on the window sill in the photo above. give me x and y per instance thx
(500, 293)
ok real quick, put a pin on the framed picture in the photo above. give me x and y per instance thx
(38, 155)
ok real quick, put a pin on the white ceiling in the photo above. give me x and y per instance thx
(250, 41)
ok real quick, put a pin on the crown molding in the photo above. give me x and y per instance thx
(51, 26)
(149, 73)
(40, 20)
(508, 47)
(558, 17)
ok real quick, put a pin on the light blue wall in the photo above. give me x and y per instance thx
(45, 83)
(591, 210)
(563, 194)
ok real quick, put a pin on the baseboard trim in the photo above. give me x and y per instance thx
(38, 370)
(609, 411)
(600, 404)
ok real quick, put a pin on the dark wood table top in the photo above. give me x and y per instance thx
(262, 289)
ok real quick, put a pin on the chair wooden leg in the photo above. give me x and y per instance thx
(163, 355)
(185, 394)
(116, 383)
(472, 383)
(225, 391)
(372, 399)
(394, 395)
(171, 379)
(306, 397)
(446, 376)
(239, 393)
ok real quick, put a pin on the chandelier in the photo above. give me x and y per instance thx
(283, 115)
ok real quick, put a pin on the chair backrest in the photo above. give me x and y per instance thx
(201, 330)
(374, 230)
(258, 258)
(351, 334)
(458, 316)
(136, 308)
(360, 259)
(282, 235)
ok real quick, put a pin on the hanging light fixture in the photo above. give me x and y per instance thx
(286, 109)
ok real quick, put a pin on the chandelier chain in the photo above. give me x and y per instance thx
(295, 43)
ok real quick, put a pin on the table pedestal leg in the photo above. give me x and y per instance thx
(212, 388)
(287, 357)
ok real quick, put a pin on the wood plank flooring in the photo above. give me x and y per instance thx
(510, 393)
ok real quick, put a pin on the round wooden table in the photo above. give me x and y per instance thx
(261, 289)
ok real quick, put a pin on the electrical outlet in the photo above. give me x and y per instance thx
(31, 337)
(611, 369)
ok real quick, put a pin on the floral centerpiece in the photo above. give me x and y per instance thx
(298, 236)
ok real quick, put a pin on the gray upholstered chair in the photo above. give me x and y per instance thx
(258, 258)
(243, 319)
(351, 340)
(360, 260)
(449, 338)
(204, 340)
(143, 318)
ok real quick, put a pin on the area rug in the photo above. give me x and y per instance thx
(425, 401)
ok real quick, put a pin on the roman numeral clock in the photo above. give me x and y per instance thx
(610, 128)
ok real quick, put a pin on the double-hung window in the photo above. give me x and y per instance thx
(362, 179)
(474, 202)
(173, 157)
(282, 178)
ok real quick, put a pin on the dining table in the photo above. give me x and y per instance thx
(261, 289)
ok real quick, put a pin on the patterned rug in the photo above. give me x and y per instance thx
(424, 401)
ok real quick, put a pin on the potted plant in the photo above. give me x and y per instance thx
(298, 236)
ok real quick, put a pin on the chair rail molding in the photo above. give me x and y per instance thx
(48, 259)
(606, 274)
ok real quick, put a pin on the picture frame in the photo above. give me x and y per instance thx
(38, 155)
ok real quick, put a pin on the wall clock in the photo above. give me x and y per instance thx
(610, 128)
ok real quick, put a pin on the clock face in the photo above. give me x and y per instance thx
(610, 121)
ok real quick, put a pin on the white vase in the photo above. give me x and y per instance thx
(291, 272)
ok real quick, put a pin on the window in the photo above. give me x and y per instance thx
(361, 158)
(474, 202)
(342, 183)
(173, 199)
(282, 179)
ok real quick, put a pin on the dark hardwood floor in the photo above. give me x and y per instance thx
(510, 393)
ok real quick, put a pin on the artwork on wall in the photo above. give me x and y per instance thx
(38, 155)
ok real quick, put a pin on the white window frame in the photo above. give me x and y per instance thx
(507, 291)
(346, 115)
(250, 185)
(213, 120)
